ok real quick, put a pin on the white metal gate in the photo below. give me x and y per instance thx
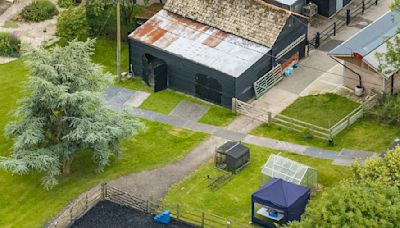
(263, 84)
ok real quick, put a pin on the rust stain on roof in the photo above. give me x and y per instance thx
(215, 39)
(199, 43)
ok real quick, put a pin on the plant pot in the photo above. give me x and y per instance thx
(359, 91)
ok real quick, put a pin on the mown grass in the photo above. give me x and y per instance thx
(162, 102)
(233, 200)
(24, 202)
(323, 109)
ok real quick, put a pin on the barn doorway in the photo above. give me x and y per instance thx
(155, 72)
(208, 89)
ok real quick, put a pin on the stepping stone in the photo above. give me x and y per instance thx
(137, 99)
(356, 154)
(116, 95)
(189, 111)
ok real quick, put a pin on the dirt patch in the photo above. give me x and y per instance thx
(108, 214)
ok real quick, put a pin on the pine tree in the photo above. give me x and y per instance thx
(64, 115)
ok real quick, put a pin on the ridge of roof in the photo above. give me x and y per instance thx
(254, 20)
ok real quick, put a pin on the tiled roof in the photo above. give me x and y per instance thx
(253, 20)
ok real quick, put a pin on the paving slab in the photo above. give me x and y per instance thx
(189, 111)
(117, 95)
(137, 99)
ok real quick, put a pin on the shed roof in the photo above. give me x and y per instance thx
(253, 20)
(233, 149)
(200, 43)
(371, 37)
(371, 40)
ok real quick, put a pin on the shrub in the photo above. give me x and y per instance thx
(68, 3)
(9, 45)
(72, 24)
(39, 10)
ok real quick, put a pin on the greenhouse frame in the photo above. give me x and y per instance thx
(289, 170)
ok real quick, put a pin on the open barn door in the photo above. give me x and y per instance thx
(155, 72)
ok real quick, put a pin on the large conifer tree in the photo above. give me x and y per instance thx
(63, 114)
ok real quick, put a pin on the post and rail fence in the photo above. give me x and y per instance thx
(86, 201)
(302, 126)
(337, 25)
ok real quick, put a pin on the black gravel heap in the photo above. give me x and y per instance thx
(109, 215)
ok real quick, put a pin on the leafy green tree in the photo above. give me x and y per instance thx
(63, 115)
(72, 24)
(352, 204)
(385, 171)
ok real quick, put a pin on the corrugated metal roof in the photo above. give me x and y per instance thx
(200, 43)
(253, 20)
(373, 62)
(371, 37)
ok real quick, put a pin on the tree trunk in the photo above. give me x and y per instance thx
(66, 169)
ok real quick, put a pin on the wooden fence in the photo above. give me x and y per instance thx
(301, 126)
(179, 212)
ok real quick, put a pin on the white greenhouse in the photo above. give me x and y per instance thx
(288, 170)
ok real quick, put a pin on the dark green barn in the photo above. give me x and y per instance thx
(216, 49)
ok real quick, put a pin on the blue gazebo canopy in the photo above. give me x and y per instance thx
(284, 196)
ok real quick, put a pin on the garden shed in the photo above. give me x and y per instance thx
(292, 5)
(288, 170)
(232, 156)
(279, 201)
(217, 49)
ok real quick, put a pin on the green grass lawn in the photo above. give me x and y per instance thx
(162, 102)
(165, 101)
(23, 201)
(363, 135)
(232, 200)
(323, 110)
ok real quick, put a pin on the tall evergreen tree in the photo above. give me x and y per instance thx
(63, 115)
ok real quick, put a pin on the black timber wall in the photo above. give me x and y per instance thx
(181, 72)
(294, 28)
(290, 32)
(244, 83)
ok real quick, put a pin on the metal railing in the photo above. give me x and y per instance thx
(340, 23)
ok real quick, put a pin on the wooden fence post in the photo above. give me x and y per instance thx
(234, 105)
(71, 219)
(177, 211)
(103, 190)
(86, 202)
(269, 118)
(202, 219)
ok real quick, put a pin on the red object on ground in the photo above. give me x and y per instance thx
(357, 55)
